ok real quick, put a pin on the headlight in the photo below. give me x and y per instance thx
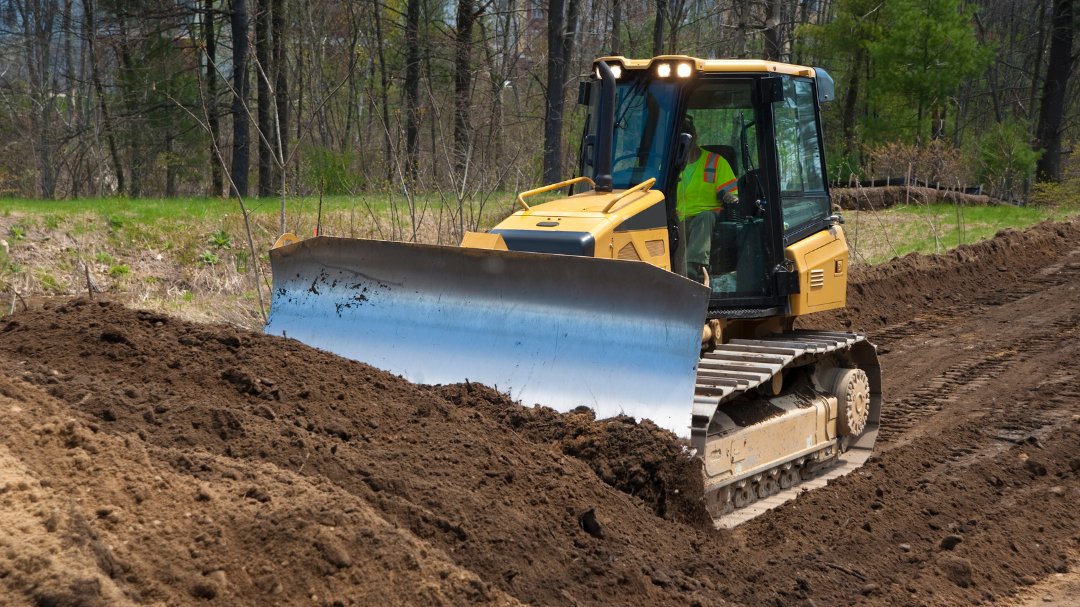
(663, 70)
(684, 70)
(616, 70)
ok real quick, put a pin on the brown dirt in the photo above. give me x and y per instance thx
(878, 199)
(144, 459)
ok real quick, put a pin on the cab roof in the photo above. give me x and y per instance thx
(715, 65)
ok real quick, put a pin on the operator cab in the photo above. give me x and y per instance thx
(726, 141)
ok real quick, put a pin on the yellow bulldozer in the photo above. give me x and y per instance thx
(665, 285)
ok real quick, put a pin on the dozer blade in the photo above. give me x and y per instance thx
(562, 331)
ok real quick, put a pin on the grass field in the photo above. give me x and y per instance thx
(879, 236)
(190, 257)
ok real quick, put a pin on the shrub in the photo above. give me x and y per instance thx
(221, 239)
(1005, 158)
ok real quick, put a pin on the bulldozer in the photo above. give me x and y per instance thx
(665, 285)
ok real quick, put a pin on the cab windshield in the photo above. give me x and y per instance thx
(644, 113)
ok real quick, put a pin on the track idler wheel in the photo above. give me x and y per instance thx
(852, 390)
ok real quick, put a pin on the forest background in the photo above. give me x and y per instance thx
(167, 98)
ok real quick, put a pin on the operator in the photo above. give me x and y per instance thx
(706, 185)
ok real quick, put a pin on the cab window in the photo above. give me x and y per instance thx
(798, 147)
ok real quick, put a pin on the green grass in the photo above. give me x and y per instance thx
(121, 211)
(913, 227)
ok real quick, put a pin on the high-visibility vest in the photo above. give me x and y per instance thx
(700, 183)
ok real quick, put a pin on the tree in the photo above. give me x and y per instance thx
(927, 49)
(1052, 106)
(240, 149)
(561, 29)
(847, 40)
(264, 107)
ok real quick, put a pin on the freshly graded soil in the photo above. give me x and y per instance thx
(146, 460)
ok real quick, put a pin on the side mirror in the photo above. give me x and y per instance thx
(682, 148)
(825, 88)
(770, 90)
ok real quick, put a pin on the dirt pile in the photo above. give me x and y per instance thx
(92, 517)
(517, 514)
(894, 292)
(877, 199)
(640, 459)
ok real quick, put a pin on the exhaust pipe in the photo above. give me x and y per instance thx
(605, 136)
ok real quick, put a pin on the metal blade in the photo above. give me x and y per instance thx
(561, 331)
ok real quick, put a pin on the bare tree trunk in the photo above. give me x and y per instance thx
(1052, 107)
(658, 28)
(412, 87)
(265, 114)
(556, 71)
(37, 22)
(281, 79)
(744, 24)
(90, 12)
(1040, 46)
(241, 153)
(210, 42)
(384, 79)
(772, 30)
(616, 27)
(463, 39)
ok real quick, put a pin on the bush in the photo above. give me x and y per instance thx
(1005, 158)
(333, 171)
(221, 239)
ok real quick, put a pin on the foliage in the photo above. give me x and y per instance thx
(119, 271)
(926, 50)
(1005, 158)
(207, 258)
(18, 232)
(333, 172)
(221, 239)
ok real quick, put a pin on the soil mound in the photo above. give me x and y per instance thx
(897, 291)
(214, 403)
(880, 198)
(641, 459)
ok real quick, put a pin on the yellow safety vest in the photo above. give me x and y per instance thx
(700, 182)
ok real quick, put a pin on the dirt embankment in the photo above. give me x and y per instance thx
(145, 459)
(897, 291)
(880, 198)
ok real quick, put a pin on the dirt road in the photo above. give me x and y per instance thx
(148, 460)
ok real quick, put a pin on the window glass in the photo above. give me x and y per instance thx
(726, 237)
(797, 140)
(643, 124)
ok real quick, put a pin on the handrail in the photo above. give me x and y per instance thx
(554, 186)
(644, 186)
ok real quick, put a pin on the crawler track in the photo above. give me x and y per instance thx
(741, 367)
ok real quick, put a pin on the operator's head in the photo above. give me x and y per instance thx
(687, 126)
